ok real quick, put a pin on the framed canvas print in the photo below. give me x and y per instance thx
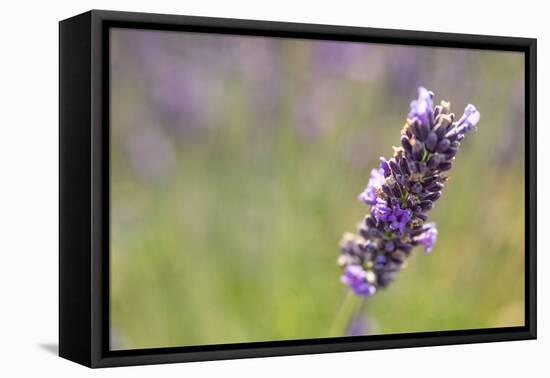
(233, 188)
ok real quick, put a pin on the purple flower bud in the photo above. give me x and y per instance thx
(413, 168)
(394, 167)
(422, 168)
(450, 153)
(431, 141)
(429, 180)
(416, 231)
(434, 187)
(434, 161)
(404, 165)
(370, 222)
(389, 246)
(443, 145)
(375, 232)
(445, 166)
(364, 231)
(418, 150)
(419, 129)
(371, 246)
(433, 196)
(426, 205)
(423, 130)
(381, 260)
(385, 167)
(422, 216)
(406, 144)
(415, 128)
(386, 189)
(396, 190)
(416, 187)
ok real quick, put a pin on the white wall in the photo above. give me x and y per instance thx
(29, 174)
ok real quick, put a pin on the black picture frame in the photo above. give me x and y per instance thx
(84, 188)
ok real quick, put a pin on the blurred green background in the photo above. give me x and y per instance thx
(235, 166)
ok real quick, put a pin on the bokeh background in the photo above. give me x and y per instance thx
(235, 166)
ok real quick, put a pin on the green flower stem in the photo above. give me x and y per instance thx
(347, 308)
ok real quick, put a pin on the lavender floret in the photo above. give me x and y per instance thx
(368, 196)
(427, 238)
(395, 217)
(358, 280)
(401, 192)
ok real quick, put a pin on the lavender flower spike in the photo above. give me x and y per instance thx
(401, 192)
